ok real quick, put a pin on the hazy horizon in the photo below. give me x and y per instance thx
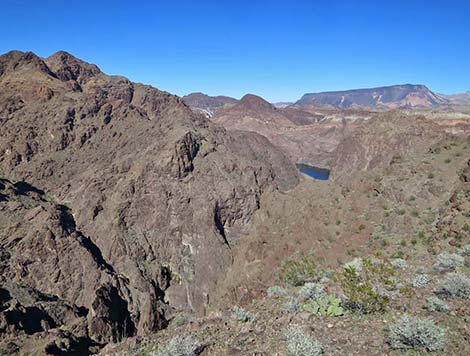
(276, 50)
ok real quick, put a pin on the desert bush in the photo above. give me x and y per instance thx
(365, 289)
(276, 292)
(465, 251)
(299, 270)
(411, 333)
(243, 315)
(355, 264)
(399, 263)
(326, 306)
(181, 346)
(420, 281)
(448, 261)
(291, 305)
(299, 343)
(455, 285)
(180, 319)
(312, 291)
(436, 304)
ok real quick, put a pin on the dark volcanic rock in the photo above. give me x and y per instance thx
(157, 193)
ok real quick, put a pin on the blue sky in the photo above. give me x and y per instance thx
(276, 49)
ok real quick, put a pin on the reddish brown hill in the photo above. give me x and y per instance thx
(297, 132)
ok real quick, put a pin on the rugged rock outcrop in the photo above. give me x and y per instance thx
(51, 274)
(157, 194)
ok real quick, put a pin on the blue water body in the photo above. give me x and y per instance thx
(314, 172)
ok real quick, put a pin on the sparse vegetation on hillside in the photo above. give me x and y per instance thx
(299, 270)
(416, 334)
(300, 343)
(365, 289)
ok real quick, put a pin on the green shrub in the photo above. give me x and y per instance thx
(299, 343)
(365, 289)
(299, 270)
(276, 292)
(312, 291)
(448, 261)
(455, 285)
(181, 346)
(326, 306)
(420, 281)
(411, 333)
(243, 315)
(436, 304)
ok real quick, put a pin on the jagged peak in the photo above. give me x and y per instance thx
(15, 60)
(68, 67)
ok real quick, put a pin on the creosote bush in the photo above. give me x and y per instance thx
(298, 270)
(299, 343)
(181, 346)
(365, 289)
(455, 285)
(412, 333)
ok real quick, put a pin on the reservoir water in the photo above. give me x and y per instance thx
(314, 172)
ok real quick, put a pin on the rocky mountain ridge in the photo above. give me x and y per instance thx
(160, 193)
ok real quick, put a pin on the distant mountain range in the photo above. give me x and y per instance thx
(459, 99)
(406, 96)
(206, 104)
(390, 97)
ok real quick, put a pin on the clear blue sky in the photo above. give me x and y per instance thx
(276, 49)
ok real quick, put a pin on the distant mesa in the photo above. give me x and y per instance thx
(389, 97)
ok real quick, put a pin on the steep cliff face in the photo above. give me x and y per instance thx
(160, 193)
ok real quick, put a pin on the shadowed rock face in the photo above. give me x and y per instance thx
(51, 275)
(157, 194)
(395, 96)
